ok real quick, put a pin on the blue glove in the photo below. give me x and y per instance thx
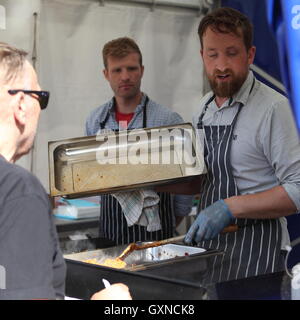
(209, 223)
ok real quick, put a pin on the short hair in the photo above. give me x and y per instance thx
(11, 61)
(227, 20)
(120, 48)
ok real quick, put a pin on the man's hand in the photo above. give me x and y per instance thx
(209, 223)
(117, 291)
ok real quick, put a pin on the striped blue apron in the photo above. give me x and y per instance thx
(255, 248)
(113, 224)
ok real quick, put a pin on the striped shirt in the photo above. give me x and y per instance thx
(157, 116)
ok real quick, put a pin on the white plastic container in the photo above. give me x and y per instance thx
(295, 283)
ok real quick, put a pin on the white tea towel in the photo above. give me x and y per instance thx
(140, 207)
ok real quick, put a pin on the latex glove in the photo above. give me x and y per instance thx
(117, 291)
(209, 223)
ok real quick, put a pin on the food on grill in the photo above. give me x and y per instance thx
(113, 263)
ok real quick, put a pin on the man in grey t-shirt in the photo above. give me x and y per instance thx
(31, 263)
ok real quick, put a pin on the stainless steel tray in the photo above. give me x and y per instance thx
(126, 160)
(140, 259)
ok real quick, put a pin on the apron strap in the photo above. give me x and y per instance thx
(103, 123)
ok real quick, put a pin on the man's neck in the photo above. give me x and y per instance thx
(8, 152)
(8, 143)
(128, 105)
(220, 101)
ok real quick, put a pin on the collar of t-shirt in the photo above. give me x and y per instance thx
(123, 118)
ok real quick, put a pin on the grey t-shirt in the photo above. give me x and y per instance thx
(31, 263)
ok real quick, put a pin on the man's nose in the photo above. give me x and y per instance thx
(124, 75)
(222, 63)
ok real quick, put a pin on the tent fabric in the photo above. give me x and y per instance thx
(277, 37)
(70, 37)
(284, 19)
(266, 57)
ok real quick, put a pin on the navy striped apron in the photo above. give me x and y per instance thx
(255, 248)
(113, 224)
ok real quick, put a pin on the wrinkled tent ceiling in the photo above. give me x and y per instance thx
(200, 5)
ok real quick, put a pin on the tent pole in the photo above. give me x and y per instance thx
(33, 58)
(203, 6)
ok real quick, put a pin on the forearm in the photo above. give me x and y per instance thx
(270, 204)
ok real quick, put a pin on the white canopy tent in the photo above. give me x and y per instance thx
(65, 37)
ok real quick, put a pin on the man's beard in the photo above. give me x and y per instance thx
(226, 89)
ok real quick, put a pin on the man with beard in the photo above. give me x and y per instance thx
(252, 152)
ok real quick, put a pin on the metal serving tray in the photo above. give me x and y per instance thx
(140, 259)
(125, 160)
(157, 275)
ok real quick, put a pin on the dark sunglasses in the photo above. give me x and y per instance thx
(43, 96)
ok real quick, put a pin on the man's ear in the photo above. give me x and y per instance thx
(143, 68)
(19, 108)
(105, 73)
(251, 55)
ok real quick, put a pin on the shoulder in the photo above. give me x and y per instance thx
(267, 101)
(160, 115)
(18, 182)
(271, 96)
(270, 113)
(95, 117)
(26, 226)
(98, 111)
(202, 103)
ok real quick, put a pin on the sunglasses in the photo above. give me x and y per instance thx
(42, 96)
